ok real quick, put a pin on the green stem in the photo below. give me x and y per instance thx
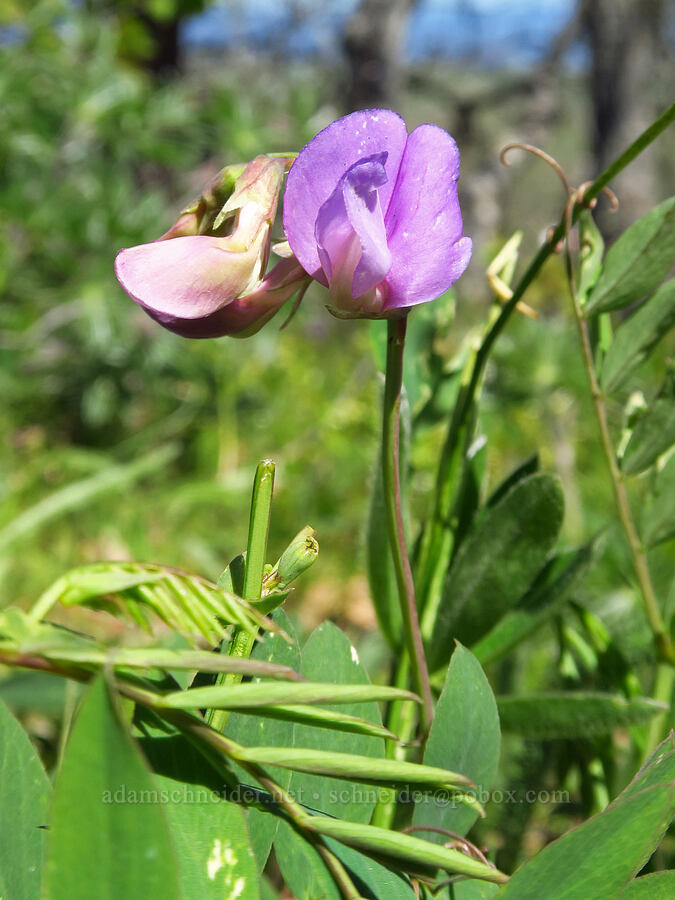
(242, 641)
(391, 474)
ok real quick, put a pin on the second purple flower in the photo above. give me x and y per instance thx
(372, 213)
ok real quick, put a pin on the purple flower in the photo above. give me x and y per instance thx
(200, 284)
(372, 212)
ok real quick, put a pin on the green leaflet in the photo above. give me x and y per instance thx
(595, 860)
(637, 261)
(412, 852)
(465, 737)
(635, 339)
(497, 563)
(658, 886)
(211, 842)
(24, 798)
(548, 593)
(577, 714)
(125, 849)
(189, 604)
(243, 696)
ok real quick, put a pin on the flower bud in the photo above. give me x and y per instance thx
(296, 559)
(198, 216)
(200, 284)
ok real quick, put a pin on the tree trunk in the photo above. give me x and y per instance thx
(373, 45)
(625, 41)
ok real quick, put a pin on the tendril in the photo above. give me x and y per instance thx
(542, 154)
(575, 196)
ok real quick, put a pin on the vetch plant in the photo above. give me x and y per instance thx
(287, 745)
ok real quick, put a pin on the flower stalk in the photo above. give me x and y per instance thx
(396, 330)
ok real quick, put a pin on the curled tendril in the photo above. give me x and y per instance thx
(581, 192)
(575, 197)
(537, 151)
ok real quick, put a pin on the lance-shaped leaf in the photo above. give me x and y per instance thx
(658, 769)
(247, 696)
(465, 736)
(497, 563)
(595, 860)
(573, 715)
(104, 839)
(638, 335)
(321, 718)
(187, 603)
(637, 261)
(546, 596)
(657, 886)
(413, 853)
(357, 768)
(24, 797)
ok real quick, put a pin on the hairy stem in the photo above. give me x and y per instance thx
(391, 474)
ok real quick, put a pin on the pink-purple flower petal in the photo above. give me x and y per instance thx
(186, 277)
(350, 233)
(321, 164)
(424, 222)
